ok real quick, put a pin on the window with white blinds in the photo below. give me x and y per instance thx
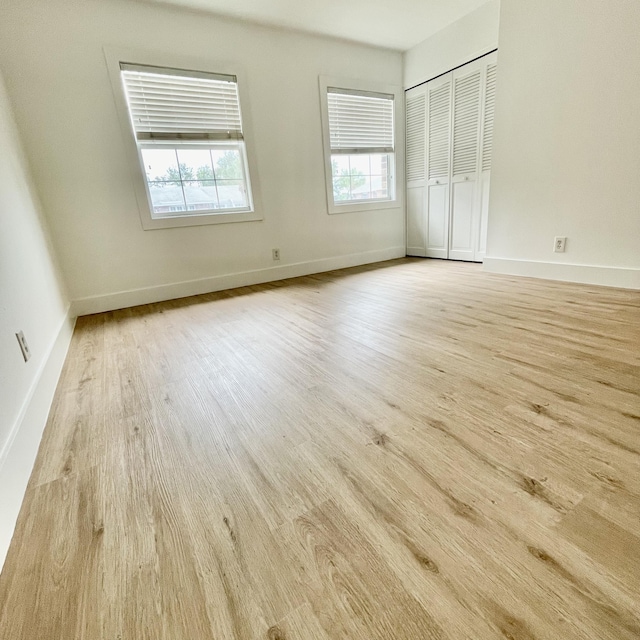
(360, 122)
(360, 145)
(172, 104)
(187, 127)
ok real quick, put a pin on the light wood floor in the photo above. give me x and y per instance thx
(415, 450)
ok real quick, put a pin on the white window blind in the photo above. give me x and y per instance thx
(360, 122)
(178, 105)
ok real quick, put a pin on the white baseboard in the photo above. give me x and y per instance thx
(21, 447)
(623, 277)
(147, 295)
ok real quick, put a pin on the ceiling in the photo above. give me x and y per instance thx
(395, 24)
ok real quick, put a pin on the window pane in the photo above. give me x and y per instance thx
(232, 194)
(201, 195)
(360, 187)
(378, 164)
(160, 164)
(379, 187)
(359, 177)
(340, 165)
(195, 164)
(341, 188)
(360, 165)
(188, 179)
(227, 164)
(166, 197)
(357, 183)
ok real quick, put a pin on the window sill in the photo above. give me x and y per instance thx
(369, 205)
(199, 219)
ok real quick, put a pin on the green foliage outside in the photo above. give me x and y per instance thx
(227, 168)
(204, 173)
(343, 181)
(172, 176)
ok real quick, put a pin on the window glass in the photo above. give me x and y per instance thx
(360, 177)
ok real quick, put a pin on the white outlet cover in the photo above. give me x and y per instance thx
(560, 244)
(24, 347)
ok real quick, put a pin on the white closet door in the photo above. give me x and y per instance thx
(416, 171)
(465, 215)
(438, 166)
(489, 101)
(449, 145)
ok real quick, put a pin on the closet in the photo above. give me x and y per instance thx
(449, 143)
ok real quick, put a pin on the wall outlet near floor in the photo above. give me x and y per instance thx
(560, 244)
(276, 254)
(24, 347)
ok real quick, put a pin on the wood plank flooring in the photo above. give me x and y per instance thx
(412, 450)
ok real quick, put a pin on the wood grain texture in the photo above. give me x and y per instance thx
(412, 450)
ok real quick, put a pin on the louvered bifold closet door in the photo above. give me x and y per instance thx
(416, 159)
(416, 136)
(448, 171)
(467, 91)
(486, 154)
(438, 165)
(489, 112)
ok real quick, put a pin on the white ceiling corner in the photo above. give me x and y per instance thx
(394, 24)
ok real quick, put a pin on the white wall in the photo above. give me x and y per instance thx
(567, 141)
(57, 77)
(32, 299)
(473, 35)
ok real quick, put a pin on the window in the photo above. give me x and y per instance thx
(360, 146)
(187, 137)
(364, 176)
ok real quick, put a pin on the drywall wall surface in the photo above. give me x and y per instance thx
(32, 298)
(52, 56)
(567, 138)
(473, 35)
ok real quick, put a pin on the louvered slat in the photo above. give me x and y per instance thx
(439, 122)
(360, 123)
(165, 105)
(466, 120)
(416, 137)
(489, 112)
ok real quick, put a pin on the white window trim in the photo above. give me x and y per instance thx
(113, 58)
(398, 118)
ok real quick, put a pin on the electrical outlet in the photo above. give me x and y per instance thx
(276, 254)
(560, 244)
(24, 347)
